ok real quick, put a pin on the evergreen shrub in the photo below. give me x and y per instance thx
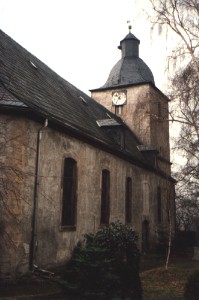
(106, 265)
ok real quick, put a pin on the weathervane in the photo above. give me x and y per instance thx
(129, 27)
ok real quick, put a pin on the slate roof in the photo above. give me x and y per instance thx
(130, 69)
(26, 82)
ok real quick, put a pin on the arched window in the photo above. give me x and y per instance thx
(128, 200)
(145, 198)
(145, 235)
(105, 197)
(69, 198)
(159, 205)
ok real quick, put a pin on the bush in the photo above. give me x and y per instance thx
(106, 265)
(192, 287)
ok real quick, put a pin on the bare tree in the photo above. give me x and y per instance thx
(181, 18)
(185, 96)
(187, 214)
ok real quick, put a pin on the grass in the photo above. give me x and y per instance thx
(161, 284)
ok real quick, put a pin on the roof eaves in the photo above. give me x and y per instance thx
(115, 87)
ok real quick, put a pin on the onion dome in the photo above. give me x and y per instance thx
(130, 69)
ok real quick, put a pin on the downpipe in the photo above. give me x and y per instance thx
(35, 200)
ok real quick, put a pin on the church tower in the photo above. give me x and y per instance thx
(130, 93)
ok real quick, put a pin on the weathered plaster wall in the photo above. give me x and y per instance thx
(17, 155)
(54, 245)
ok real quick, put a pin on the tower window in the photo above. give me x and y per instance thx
(118, 110)
(159, 110)
(69, 198)
(128, 200)
(105, 197)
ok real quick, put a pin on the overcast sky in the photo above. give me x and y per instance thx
(78, 38)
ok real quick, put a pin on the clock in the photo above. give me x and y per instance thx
(119, 97)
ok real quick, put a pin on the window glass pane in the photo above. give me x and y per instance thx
(159, 205)
(145, 191)
(105, 197)
(69, 193)
(128, 201)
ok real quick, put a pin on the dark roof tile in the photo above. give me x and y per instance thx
(29, 82)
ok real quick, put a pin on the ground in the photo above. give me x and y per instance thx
(158, 283)
(161, 284)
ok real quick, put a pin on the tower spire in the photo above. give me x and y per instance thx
(129, 25)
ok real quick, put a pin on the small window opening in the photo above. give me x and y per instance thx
(83, 100)
(33, 65)
(159, 110)
(118, 110)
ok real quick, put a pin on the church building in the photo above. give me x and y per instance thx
(70, 163)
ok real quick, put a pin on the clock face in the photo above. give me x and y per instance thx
(119, 98)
